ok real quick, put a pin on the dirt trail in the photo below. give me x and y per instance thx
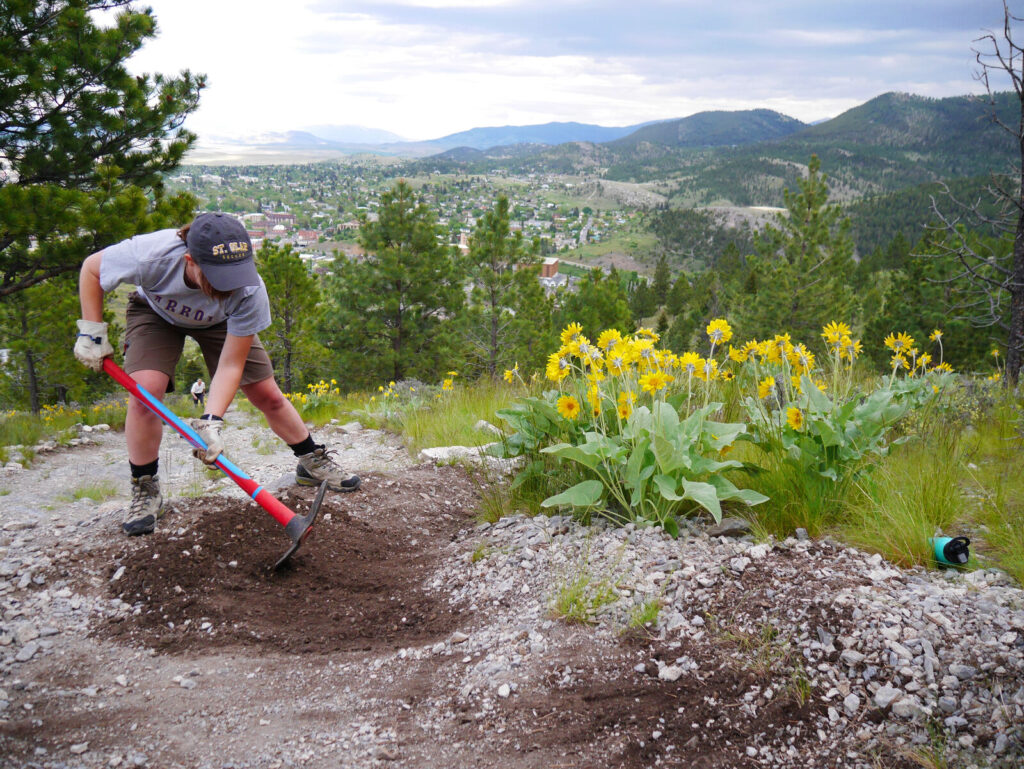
(405, 634)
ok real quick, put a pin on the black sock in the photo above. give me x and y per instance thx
(147, 469)
(304, 447)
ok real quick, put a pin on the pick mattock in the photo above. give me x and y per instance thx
(297, 527)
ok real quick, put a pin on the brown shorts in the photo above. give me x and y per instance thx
(153, 344)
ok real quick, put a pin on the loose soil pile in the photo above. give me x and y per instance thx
(203, 580)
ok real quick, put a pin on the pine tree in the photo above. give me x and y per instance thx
(389, 316)
(803, 265)
(497, 266)
(661, 282)
(294, 294)
(82, 141)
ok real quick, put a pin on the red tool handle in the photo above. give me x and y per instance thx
(282, 514)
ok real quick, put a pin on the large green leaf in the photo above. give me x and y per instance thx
(722, 434)
(585, 494)
(574, 453)
(818, 400)
(705, 495)
(667, 486)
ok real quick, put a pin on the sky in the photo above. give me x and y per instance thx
(423, 69)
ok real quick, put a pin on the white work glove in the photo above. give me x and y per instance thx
(209, 431)
(92, 345)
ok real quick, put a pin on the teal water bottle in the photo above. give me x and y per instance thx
(952, 551)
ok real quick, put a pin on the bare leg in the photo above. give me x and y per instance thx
(142, 428)
(281, 415)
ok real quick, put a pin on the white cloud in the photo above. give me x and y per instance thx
(274, 66)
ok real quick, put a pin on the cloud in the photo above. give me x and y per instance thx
(424, 68)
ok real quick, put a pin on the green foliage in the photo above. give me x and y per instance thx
(803, 264)
(294, 295)
(387, 317)
(83, 138)
(97, 492)
(41, 368)
(505, 321)
(924, 295)
(691, 238)
(580, 597)
(910, 497)
(659, 466)
(644, 615)
(600, 302)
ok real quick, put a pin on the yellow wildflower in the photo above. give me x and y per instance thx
(765, 387)
(571, 332)
(833, 332)
(739, 355)
(901, 342)
(608, 339)
(795, 418)
(646, 333)
(691, 362)
(923, 360)
(936, 335)
(510, 373)
(709, 370)
(654, 381)
(728, 376)
(448, 385)
(617, 364)
(558, 367)
(568, 407)
(719, 331)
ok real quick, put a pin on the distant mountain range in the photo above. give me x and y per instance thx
(356, 139)
(746, 157)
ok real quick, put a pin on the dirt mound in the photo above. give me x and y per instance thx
(357, 583)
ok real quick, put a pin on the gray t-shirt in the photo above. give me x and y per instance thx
(154, 264)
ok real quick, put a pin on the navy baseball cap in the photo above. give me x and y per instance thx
(221, 247)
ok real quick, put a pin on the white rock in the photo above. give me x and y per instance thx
(886, 695)
(670, 673)
(851, 703)
(79, 748)
(504, 691)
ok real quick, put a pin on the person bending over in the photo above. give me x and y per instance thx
(199, 281)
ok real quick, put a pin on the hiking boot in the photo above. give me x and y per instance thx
(146, 507)
(317, 466)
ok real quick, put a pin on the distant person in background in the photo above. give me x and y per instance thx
(199, 281)
(198, 391)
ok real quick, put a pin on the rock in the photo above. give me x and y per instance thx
(851, 703)
(886, 695)
(351, 428)
(729, 527)
(908, 707)
(27, 652)
(459, 637)
(19, 525)
(801, 535)
(739, 564)
(670, 673)
(486, 427)
(851, 657)
(25, 633)
(79, 748)
(504, 691)
(948, 704)
(187, 683)
(963, 672)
